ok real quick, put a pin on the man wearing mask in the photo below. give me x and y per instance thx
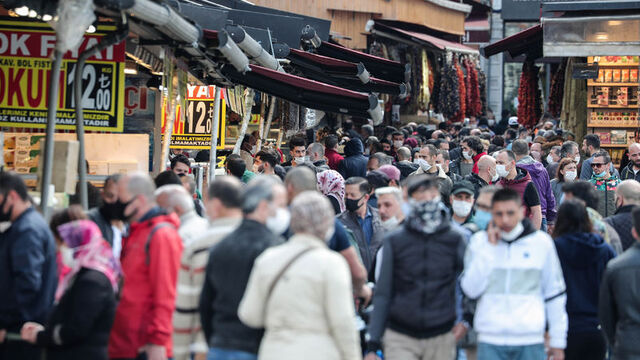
(248, 149)
(632, 171)
(175, 199)
(462, 199)
(553, 159)
(390, 207)
(298, 152)
(105, 216)
(315, 152)
(404, 163)
(230, 262)
(150, 261)
(426, 160)
(414, 303)
(398, 140)
(443, 160)
(223, 204)
(486, 175)
(518, 179)
(482, 215)
(265, 162)
(28, 271)
(514, 271)
(604, 182)
(387, 148)
(362, 220)
(591, 146)
(627, 198)
(180, 165)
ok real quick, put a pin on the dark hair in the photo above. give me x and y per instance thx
(363, 185)
(593, 140)
(112, 178)
(267, 156)
(520, 147)
(167, 178)
(228, 192)
(572, 218)
(512, 133)
(347, 125)
(368, 128)
(236, 167)
(432, 150)
(421, 182)
(510, 154)
(506, 194)
(464, 132)
(11, 181)
(498, 140)
(385, 141)
(377, 179)
(561, 165)
(474, 143)
(604, 154)
(635, 214)
(567, 148)
(331, 141)
(584, 191)
(180, 158)
(439, 142)
(63, 216)
(297, 141)
(445, 154)
(397, 133)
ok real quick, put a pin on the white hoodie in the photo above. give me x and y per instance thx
(517, 283)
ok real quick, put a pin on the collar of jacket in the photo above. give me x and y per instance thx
(252, 224)
(527, 160)
(440, 173)
(528, 229)
(154, 212)
(625, 209)
(226, 221)
(522, 175)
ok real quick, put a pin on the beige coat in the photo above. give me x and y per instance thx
(310, 314)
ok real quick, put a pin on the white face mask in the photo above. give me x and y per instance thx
(513, 234)
(279, 223)
(570, 175)
(550, 159)
(301, 160)
(461, 208)
(577, 159)
(367, 151)
(391, 223)
(501, 170)
(67, 256)
(466, 155)
(424, 165)
(495, 176)
(397, 144)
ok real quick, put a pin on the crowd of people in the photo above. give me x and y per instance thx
(460, 242)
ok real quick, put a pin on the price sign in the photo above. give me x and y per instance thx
(25, 67)
(195, 132)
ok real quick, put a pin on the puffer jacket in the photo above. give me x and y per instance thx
(354, 163)
(619, 303)
(622, 221)
(584, 258)
(148, 297)
(607, 194)
(540, 179)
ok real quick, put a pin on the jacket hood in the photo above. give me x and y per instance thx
(522, 176)
(428, 218)
(156, 216)
(533, 167)
(353, 147)
(581, 249)
(625, 209)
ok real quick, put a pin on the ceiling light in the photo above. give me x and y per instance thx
(615, 22)
(130, 71)
(32, 13)
(602, 36)
(22, 11)
(91, 29)
(47, 17)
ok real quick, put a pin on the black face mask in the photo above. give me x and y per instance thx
(118, 211)
(352, 204)
(109, 211)
(5, 216)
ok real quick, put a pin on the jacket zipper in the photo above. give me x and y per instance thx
(508, 279)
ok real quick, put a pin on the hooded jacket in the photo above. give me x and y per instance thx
(354, 163)
(333, 158)
(540, 179)
(518, 184)
(406, 168)
(584, 258)
(421, 261)
(622, 221)
(148, 297)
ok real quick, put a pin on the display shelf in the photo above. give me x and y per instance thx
(613, 126)
(593, 83)
(614, 145)
(591, 106)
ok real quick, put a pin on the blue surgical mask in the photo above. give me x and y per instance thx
(602, 174)
(482, 219)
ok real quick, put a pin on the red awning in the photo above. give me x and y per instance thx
(526, 41)
(436, 42)
(477, 24)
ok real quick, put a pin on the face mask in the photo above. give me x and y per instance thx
(501, 170)
(391, 223)
(279, 223)
(301, 160)
(577, 159)
(528, 139)
(67, 256)
(549, 159)
(352, 204)
(109, 211)
(466, 155)
(397, 144)
(119, 210)
(367, 151)
(5, 216)
(253, 149)
(424, 165)
(482, 219)
(495, 176)
(570, 175)
(602, 174)
(461, 208)
(491, 122)
(513, 234)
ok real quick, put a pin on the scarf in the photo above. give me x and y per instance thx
(427, 217)
(90, 251)
(331, 183)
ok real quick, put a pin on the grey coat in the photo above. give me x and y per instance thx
(367, 251)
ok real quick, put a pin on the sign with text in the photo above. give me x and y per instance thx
(195, 131)
(25, 67)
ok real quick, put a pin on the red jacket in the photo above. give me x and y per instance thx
(333, 159)
(148, 296)
(476, 158)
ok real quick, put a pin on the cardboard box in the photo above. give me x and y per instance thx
(98, 167)
(65, 166)
(23, 141)
(619, 137)
(122, 167)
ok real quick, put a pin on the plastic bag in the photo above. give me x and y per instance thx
(74, 17)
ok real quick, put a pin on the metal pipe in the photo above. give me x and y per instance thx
(54, 87)
(214, 135)
(267, 126)
(245, 120)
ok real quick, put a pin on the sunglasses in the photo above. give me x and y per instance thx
(594, 165)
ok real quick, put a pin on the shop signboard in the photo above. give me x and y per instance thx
(25, 51)
(521, 10)
(195, 131)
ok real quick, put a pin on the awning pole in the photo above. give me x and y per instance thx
(214, 135)
(54, 87)
(272, 108)
(248, 102)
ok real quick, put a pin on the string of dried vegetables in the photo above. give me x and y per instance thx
(425, 90)
(557, 90)
(529, 96)
(449, 99)
(459, 116)
(474, 104)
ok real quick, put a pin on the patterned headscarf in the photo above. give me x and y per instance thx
(331, 183)
(90, 251)
(427, 217)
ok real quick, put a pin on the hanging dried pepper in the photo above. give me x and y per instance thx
(449, 93)
(529, 96)
(482, 85)
(474, 103)
(557, 90)
(462, 93)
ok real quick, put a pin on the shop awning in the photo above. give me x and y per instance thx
(477, 24)
(528, 41)
(439, 44)
(305, 92)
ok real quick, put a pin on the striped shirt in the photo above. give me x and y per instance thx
(187, 332)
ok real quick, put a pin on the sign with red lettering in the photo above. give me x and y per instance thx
(25, 66)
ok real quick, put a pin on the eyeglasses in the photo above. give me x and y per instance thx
(594, 165)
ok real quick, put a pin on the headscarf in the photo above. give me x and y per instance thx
(90, 251)
(331, 183)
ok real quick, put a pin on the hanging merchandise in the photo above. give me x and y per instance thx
(467, 86)
(482, 87)
(432, 78)
(449, 93)
(462, 94)
(529, 96)
(557, 90)
(474, 104)
(425, 91)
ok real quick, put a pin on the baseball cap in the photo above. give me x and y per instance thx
(463, 186)
(513, 121)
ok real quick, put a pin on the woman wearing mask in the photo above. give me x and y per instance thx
(300, 292)
(79, 325)
(64, 256)
(331, 184)
(567, 172)
(584, 257)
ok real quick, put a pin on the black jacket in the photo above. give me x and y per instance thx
(230, 263)
(28, 271)
(627, 173)
(354, 163)
(477, 181)
(415, 294)
(367, 251)
(622, 221)
(84, 317)
(103, 224)
(406, 168)
(619, 303)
